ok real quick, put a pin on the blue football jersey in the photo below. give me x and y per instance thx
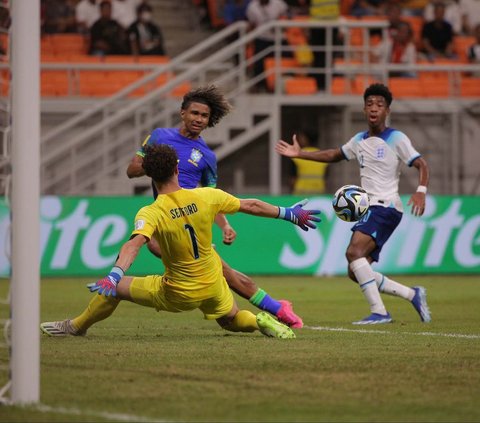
(197, 164)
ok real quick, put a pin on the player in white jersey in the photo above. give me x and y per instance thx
(379, 152)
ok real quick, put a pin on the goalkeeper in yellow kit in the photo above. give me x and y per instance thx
(181, 222)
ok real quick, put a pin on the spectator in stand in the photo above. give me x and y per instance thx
(87, 12)
(106, 35)
(470, 12)
(369, 7)
(398, 48)
(5, 19)
(413, 7)
(124, 11)
(59, 17)
(452, 14)
(393, 12)
(323, 10)
(234, 11)
(298, 7)
(307, 176)
(145, 36)
(260, 12)
(437, 35)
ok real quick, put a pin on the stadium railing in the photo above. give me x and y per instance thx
(77, 154)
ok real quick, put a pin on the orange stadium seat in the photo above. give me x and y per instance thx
(301, 85)
(94, 84)
(119, 58)
(405, 87)
(461, 45)
(154, 59)
(4, 82)
(470, 87)
(55, 83)
(342, 85)
(68, 44)
(46, 45)
(270, 63)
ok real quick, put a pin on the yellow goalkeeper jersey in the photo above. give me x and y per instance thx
(182, 222)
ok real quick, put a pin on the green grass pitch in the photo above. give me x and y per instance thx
(140, 365)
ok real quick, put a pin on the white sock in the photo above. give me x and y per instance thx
(391, 287)
(366, 280)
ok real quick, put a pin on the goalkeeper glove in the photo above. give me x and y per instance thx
(299, 216)
(108, 285)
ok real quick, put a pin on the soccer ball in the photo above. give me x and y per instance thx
(350, 203)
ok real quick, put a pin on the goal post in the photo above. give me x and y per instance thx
(25, 205)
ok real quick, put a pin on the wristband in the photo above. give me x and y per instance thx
(117, 273)
(281, 213)
(422, 188)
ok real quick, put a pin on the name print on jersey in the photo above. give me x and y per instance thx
(183, 211)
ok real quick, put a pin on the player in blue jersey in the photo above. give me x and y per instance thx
(180, 220)
(379, 152)
(202, 108)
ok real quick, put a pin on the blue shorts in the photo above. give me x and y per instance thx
(379, 222)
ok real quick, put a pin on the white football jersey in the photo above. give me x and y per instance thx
(379, 159)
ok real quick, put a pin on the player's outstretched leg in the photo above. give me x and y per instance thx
(60, 328)
(99, 308)
(272, 327)
(248, 289)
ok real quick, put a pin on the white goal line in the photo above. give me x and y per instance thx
(386, 332)
(116, 417)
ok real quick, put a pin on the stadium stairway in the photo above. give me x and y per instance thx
(180, 24)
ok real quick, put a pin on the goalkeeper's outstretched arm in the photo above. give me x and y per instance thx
(296, 214)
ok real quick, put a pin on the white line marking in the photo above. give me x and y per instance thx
(386, 332)
(116, 417)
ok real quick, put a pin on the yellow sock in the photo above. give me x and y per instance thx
(99, 308)
(244, 321)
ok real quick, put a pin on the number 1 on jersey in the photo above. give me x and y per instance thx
(193, 237)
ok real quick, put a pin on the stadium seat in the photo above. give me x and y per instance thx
(437, 87)
(470, 87)
(55, 83)
(94, 84)
(287, 65)
(342, 85)
(46, 45)
(4, 82)
(301, 85)
(119, 58)
(155, 59)
(405, 87)
(68, 44)
(461, 45)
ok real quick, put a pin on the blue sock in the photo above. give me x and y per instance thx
(263, 301)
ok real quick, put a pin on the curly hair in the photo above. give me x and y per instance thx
(378, 89)
(160, 162)
(213, 98)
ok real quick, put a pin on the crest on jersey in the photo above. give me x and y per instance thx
(139, 224)
(380, 152)
(195, 156)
